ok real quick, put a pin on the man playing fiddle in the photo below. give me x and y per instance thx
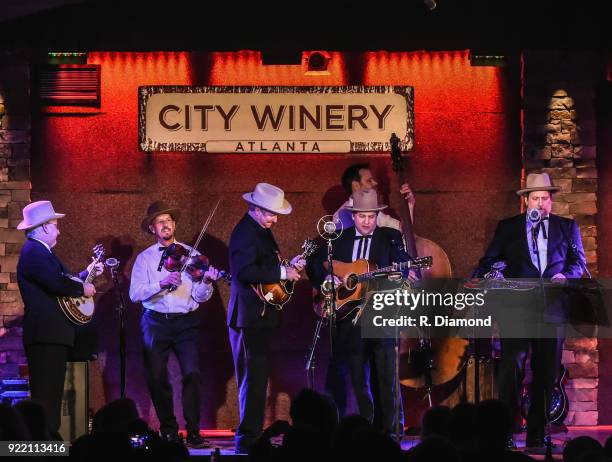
(170, 322)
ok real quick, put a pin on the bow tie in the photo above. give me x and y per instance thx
(162, 248)
(369, 236)
(540, 226)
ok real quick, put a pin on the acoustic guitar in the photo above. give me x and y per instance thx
(80, 310)
(277, 294)
(355, 276)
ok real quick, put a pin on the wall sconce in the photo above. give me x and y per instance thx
(317, 63)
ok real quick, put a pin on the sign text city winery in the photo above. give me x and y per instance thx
(274, 119)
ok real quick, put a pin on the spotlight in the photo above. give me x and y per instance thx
(317, 62)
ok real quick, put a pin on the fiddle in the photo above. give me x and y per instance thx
(177, 257)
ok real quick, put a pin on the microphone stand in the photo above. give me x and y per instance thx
(534, 235)
(328, 317)
(120, 308)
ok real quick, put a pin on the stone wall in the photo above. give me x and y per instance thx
(559, 138)
(15, 186)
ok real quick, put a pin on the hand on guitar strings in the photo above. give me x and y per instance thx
(89, 289)
(99, 267)
(337, 281)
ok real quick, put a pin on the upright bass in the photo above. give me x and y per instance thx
(425, 362)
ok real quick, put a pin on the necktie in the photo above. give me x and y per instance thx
(363, 245)
(541, 226)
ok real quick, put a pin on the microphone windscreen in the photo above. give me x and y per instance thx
(111, 263)
(329, 227)
(534, 215)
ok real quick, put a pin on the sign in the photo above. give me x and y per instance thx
(275, 119)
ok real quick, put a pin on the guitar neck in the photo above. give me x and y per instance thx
(92, 273)
(305, 255)
(396, 267)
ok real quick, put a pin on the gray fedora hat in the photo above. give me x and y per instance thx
(365, 200)
(538, 182)
(37, 213)
(269, 197)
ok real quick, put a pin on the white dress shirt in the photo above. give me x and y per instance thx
(361, 247)
(542, 240)
(144, 286)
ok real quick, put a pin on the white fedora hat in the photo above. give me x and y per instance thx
(37, 213)
(365, 200)
(538, 182)
(268, 197)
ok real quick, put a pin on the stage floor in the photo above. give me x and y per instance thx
(224, 440)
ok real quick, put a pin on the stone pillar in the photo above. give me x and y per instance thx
(15, 186)
(558, 90)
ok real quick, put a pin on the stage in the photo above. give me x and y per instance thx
(224, 441)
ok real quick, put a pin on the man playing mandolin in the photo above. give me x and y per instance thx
(383, 246)
(48, 335)
(170, 322)
(252, 321)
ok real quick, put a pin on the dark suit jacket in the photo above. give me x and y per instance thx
(565, 251)
(42, 278)
(565, 255)
(383, 251)
(254, 259)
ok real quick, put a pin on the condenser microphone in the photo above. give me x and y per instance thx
(534, 216)
(111, 263)
(329, 227)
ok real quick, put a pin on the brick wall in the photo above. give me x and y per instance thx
(559, 138)
(14, 194)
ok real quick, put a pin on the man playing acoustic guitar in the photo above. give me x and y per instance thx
(383, 246)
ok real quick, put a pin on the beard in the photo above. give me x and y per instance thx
(167, 235)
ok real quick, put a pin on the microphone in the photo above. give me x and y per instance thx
(111, 263)
(576, 254)
(534, 216)
(329, 227)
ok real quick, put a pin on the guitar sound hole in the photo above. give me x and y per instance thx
(351, 281)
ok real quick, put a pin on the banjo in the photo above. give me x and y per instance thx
(80, 310)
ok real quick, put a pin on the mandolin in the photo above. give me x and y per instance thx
(80, 310)
(278, 294)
